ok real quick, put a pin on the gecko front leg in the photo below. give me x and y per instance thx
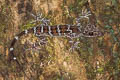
(75, 45)
(41, 19)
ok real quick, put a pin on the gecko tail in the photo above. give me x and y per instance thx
(11, 55)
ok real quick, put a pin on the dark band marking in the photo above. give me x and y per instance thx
(45, 28)
(54, 30)
(74, 29)
(38, 31)
(63, 28)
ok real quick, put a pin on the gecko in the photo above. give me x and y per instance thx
(70, 31)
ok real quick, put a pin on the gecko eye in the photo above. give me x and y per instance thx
(91, 33)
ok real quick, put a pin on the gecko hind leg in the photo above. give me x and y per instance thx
(35, 46)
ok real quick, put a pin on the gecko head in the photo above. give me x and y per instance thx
(92, 31)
